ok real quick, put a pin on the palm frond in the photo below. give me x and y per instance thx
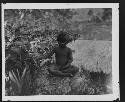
(12, 77)
(18, 74)
(17, 81)
(23, 75)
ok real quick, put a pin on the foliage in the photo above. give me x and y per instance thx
(95, 18)
(107, 14)
(90, 12)
(29, 24)
(18, 82)
(39, 18)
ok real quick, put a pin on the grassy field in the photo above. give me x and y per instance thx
(93, 55)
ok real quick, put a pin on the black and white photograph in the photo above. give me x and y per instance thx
(60, 51)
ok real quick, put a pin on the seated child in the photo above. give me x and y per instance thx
(64, 58)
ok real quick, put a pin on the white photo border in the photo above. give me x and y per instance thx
(115, 52)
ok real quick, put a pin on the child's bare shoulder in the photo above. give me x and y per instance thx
(68, 48)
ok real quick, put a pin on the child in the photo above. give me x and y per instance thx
(64, 58)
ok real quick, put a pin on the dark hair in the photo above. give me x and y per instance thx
(62, 37)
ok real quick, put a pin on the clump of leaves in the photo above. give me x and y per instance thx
(18, 81)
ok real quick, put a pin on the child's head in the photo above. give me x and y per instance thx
(62, 39)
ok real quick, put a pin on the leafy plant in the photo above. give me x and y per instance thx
(18, 80)
(107, 14)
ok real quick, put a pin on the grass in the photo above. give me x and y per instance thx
(96, 56)
(81, 84)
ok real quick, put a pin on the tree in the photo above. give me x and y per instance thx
(107, 14)
(64, 17)
(90, 14)
(33, 20)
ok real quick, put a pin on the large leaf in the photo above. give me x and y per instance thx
(12, 77)
(17, 80)
(23, 75)
(15, 83)
(18, 74)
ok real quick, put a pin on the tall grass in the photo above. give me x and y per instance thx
(95, 56)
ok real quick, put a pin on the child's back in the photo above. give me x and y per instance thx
(64, 58)
(62, 55)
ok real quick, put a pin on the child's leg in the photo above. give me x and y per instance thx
(54, 70)
(73, 70)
